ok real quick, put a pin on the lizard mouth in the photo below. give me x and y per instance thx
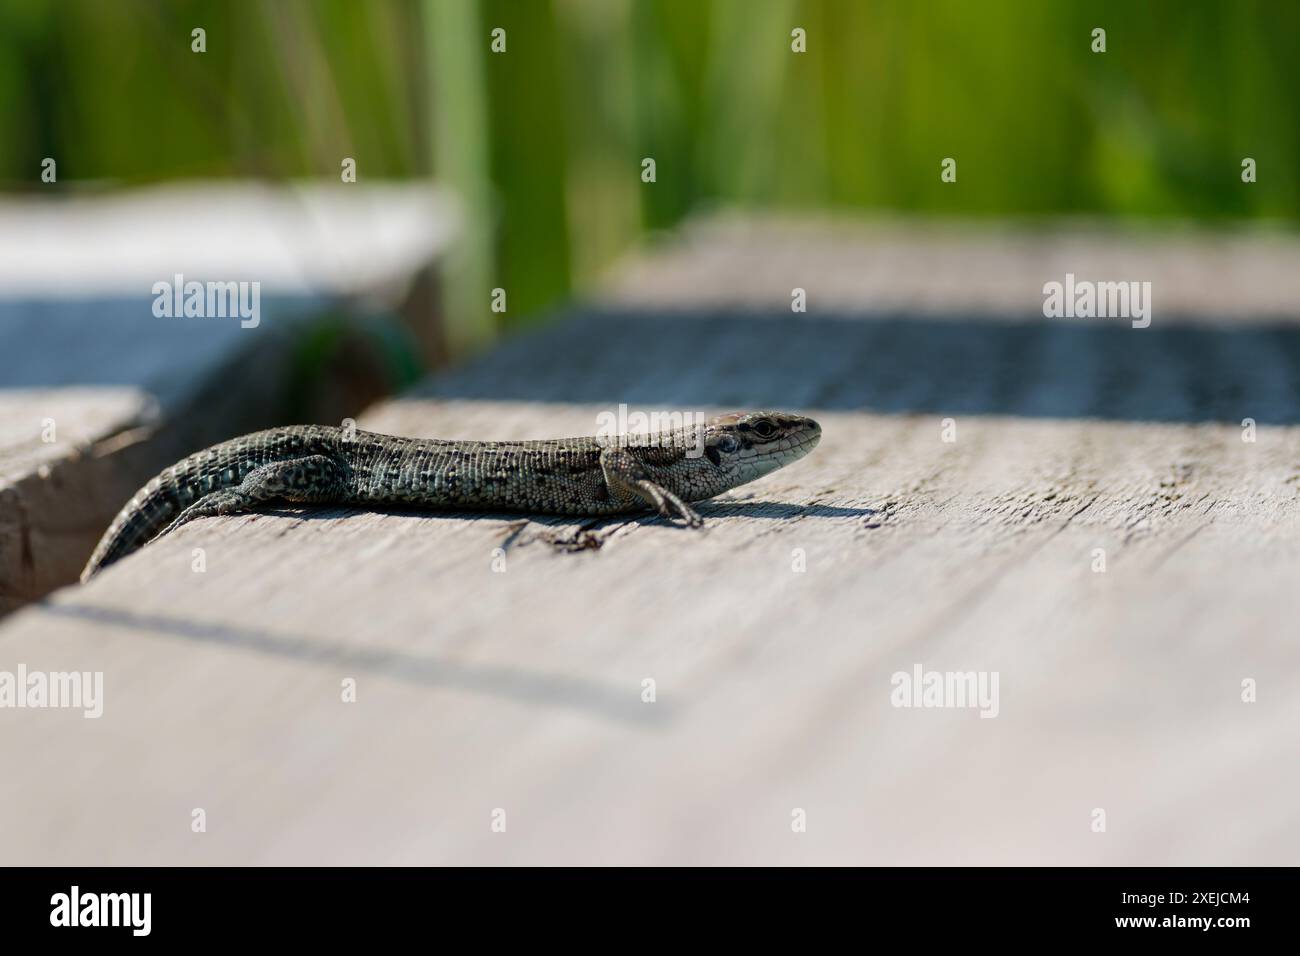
(801, 440)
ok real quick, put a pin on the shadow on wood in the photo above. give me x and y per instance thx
(1174, 371)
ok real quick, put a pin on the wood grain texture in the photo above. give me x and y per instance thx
(521, 689)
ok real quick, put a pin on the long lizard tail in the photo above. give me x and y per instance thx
(148, 512)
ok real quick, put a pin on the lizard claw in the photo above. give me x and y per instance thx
(676, 508)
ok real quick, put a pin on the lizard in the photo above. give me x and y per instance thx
(592, 476)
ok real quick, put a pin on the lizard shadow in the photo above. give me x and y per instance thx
(780, 510)
(717, 509)
(575, 533)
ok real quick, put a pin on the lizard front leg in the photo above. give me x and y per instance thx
(316, 479)
(628, 479)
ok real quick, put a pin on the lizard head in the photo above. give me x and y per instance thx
(748, 445)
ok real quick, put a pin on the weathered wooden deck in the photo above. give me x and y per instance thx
(97, 394)
(480, 689)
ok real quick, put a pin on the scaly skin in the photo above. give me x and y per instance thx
(324, 465)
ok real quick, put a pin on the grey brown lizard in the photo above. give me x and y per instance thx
(325, 465)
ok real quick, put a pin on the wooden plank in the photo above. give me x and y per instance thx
(97, 393)
(965, 267)
(521, 689)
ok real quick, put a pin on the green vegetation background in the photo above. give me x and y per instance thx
(545, 141)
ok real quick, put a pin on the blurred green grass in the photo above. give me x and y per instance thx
(545, 141)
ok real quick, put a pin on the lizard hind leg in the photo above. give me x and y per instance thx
(315, 479)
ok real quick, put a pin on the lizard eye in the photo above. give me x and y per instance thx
(763, 428)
